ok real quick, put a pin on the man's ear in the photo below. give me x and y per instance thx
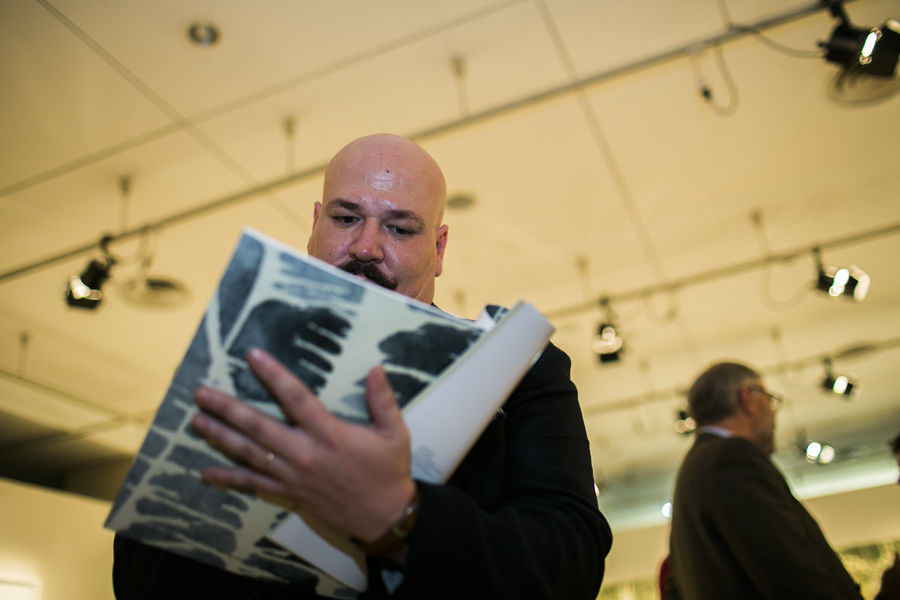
(440, 246)
(745, 401)
(317, 208)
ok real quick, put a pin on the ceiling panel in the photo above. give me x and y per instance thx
(260, 49)
(68, 103)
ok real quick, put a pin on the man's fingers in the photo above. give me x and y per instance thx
(245, 435)
(297, 402)
(381, 400)
(247, 481)
(237, 446)
(239, 415)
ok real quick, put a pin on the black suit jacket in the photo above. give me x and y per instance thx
(518, 518)
(739, 533)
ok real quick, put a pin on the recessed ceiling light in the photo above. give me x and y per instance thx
(203, 33)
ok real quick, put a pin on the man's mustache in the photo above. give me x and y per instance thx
(370, 271)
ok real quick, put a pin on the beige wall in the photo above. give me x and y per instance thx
(636, 553)
(858, 517)
(56, 540)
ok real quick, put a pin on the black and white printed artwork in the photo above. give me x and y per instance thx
(330, 329)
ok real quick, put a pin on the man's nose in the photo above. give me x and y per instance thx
(367, 245)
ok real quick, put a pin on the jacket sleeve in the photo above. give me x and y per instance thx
(519, 518)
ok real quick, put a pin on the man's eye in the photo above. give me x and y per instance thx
(344, 219)
(401, 231)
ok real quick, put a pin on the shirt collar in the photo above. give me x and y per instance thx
(715, 430)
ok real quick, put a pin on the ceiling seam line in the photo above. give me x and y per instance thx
(256, 96)
(87, 160)
(611, 73)
(61, 437)
(602, 143)
(775, 369)
(228, 161)
(355, 59)
(726, 271)
(164, 222)
(626, 197)
(590, 80)
(60, 393)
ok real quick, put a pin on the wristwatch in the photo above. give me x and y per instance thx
(392, 545)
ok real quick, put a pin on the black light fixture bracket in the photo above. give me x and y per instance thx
(608, 344)
(862, 50)
(836, 8)
(85, 290)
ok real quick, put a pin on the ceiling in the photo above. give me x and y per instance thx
(597, 168)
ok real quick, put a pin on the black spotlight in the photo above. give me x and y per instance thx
(842, 385)
(839, 385)
(819, 453)
(84, 290)
(608, 345)
(851, 282)
(863, 50)
(684, 423)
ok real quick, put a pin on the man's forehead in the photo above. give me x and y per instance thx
(381, 192)
(382, 170)
(386, 180)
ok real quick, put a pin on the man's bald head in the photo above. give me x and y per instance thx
(381, 212)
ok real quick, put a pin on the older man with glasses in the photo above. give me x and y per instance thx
(737, 530)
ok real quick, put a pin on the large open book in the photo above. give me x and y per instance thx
(450, 376)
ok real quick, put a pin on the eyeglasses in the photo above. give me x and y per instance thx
(774, 400)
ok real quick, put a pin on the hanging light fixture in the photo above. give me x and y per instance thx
(819, 453)
(684, 423)
(851, 282)
(84, 290)
(814, 451)
(839, 385)
(862, 50)
(608, 344)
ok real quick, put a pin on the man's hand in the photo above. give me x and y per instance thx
(355, 478)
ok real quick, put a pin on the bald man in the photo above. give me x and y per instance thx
(517, 519)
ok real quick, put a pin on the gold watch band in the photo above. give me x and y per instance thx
(393, 543)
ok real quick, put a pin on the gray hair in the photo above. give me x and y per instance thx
(714, 394)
